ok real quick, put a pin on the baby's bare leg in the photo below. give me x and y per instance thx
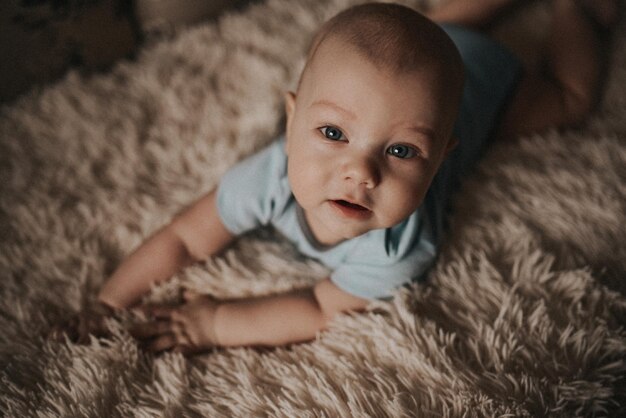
(570, 88)
(476, 14)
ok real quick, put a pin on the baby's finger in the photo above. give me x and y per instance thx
(190, 295)
(151, 329)
(162, 343)
(185, 350)
(158, 311)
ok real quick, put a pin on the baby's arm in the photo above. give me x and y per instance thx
(202, 322)
(282, 319)
(193, 235)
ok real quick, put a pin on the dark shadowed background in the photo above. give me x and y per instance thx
(41, 39)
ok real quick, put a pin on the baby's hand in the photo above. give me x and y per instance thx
(91, 321)
(188, 328)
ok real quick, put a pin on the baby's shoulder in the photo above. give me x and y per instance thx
(253, 190)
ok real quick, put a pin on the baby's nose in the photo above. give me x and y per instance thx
(362, 171)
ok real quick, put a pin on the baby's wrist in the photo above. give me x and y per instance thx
(214, 334)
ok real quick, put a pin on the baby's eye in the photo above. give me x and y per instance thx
(401, 151)
(332, 133)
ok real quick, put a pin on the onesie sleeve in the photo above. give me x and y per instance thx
(380, 264)
(251, 191)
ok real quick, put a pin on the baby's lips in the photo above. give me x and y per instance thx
(356, 206)
(350, 211)
(352, 205)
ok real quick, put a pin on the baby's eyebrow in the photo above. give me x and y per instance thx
(348, 114)
(424, 131)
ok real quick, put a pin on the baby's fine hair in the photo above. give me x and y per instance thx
(393, 37)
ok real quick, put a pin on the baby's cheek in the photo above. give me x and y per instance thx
(405, 199)
(302, 181)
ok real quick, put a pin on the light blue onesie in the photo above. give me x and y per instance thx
(255, 192)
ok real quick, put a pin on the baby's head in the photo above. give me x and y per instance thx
(371, 120)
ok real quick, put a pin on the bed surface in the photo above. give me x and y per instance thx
(523, 314)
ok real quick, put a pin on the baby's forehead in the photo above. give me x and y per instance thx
(335, 49)
(392, 37)
(395, 58)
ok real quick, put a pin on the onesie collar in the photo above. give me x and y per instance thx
(308, 233)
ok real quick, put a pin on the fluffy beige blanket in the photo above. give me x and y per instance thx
(523, 315)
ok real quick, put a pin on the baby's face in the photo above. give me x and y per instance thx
(363, 144)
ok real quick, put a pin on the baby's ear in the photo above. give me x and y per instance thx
(290, 102)
(290, 106)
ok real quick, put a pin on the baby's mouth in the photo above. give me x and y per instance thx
(351, 210)
(352, 206)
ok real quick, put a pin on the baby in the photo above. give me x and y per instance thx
(391, 110)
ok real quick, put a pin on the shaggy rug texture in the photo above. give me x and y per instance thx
(523, 315)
